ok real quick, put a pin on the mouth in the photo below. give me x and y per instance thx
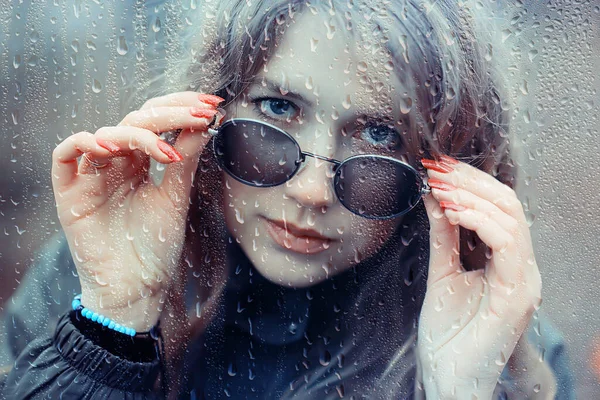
(297, 239)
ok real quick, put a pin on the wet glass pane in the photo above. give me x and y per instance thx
(319, 200)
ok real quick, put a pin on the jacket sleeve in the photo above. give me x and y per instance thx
(44, 293)
(71, 366)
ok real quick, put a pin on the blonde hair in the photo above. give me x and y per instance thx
(454, 105)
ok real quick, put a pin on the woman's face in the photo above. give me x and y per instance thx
(335, 99)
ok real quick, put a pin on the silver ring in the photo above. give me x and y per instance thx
(94, 163)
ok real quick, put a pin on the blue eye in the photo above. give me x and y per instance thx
(379, 135)
(276, 109)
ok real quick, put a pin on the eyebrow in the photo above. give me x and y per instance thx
(274, 87)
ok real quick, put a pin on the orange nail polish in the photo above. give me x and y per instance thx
(105, 144)
(210, 99)
(451, 206)
(436, 166)
(202, 113)
(438, 184)
(169, 151)
(449, 160)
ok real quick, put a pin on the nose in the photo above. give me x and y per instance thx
(312, 186)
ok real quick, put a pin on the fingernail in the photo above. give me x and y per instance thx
(202, 113)
(436, 165)
(438, 184)
(451, 206)
(449, 160)
(105, 144)
(169, 151)
(210, 99)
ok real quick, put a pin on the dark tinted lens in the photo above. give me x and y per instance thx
(377, 187)
(256, 153)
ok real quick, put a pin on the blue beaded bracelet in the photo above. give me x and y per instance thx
(104, 321)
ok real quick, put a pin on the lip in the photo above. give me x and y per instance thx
(297, 239)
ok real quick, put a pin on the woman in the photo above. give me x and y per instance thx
(278, 264)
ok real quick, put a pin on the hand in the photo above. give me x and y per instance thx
(125, 233)
(471, 321)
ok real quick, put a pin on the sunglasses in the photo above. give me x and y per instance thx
(262, 155)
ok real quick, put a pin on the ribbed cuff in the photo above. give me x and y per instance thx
(100, 364)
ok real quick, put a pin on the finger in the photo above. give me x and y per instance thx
(127, 140)
(506, 265)
(189, 99)
(163, 119)
(64, 158)
(178, 178)
(467, 199)
(444, 243)
(481, 184)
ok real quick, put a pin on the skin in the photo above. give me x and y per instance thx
(308, 199)
(126, 233)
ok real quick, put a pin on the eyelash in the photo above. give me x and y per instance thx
(388, 143)
(257, 108)
(358, 132)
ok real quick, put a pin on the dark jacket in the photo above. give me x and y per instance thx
(255, 351)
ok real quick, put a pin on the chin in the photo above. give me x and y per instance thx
(284, 273)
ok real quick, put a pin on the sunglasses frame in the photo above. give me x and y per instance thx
(423, 188)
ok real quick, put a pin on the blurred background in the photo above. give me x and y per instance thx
(68, 66)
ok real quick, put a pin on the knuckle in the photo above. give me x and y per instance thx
(149, 103)
(103, 132)
(510, 191)
(513, 226)
(129, 118)
(510, 242)
(516, 206)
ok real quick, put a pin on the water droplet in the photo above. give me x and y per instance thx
(232, 370)
(330, 30)
(156, 26)
(15, 117)
(34, 36)
(309, 83)
(313, 44)
(523, 87)
(532, 54)
(347, 103)
(238, 216)
(501, 360)
(96, 86)
(122, 47)
(325, 358)
(161, 235)
(451, 94)
(405, 105)
(16, 61)
(340, 390)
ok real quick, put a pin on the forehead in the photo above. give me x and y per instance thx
(331, 66)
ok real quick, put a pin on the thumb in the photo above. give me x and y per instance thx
(444, 242)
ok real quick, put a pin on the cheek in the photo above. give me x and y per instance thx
(248, 200)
